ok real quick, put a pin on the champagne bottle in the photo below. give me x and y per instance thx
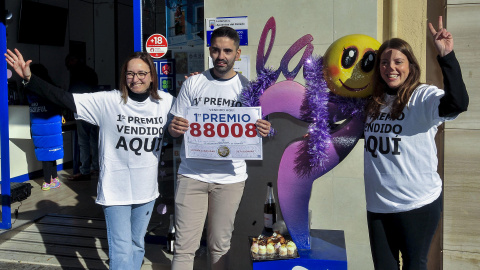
(171, 236)
(269, 210)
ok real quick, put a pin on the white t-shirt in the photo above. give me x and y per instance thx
(401, 155)
(130, 142)
(204, 90)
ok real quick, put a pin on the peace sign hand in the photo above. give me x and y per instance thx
(442, 39)
(15, 60)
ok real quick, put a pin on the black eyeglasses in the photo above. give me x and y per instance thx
(141, 75)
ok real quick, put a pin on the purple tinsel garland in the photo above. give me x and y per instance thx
(317, 98)
(251, 94)
(349, 106)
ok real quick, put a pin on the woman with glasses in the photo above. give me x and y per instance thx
(131, 122)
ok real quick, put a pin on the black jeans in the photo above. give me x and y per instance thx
(409, 232)
(49, 170)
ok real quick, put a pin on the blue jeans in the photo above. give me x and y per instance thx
(88, 144)
(126, 239)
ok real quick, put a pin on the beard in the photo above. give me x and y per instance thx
(223, 69)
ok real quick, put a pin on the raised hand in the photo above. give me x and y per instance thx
(442, 39)
(15, 60)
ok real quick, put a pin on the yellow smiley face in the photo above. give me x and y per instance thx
(348, 65)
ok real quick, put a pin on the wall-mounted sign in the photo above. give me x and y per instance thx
(166, 75)
(156, 46)
(238, 23)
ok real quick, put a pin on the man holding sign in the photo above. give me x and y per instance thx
(208, 185)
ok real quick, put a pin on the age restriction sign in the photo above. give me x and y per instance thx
(156, 46)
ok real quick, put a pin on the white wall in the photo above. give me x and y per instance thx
(461, 234)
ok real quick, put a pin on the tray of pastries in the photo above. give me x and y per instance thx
(275, 247)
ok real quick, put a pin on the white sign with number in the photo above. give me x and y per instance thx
(223, 133)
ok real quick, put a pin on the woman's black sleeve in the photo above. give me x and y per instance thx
(456, 98)
(52, 93)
